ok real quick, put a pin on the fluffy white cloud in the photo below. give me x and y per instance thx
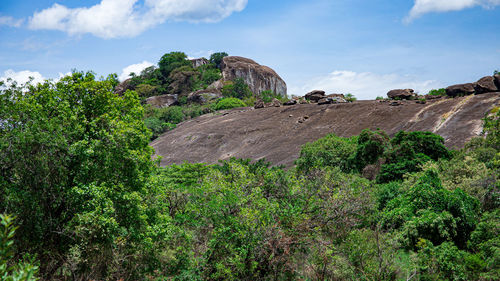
(135, 68)
(427, 6)
(21, 77)
(365, 85)
(128, 18)
(10, 21)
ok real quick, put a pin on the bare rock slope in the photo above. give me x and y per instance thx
(277, 133)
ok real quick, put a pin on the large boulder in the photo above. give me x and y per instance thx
(401, 94)
(163, 101)
(315, 95)
(497, 80)
(203, 96)
(199, 62)
(461, 90)
(486, 85)
(258, 77)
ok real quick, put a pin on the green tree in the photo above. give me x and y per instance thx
(74, 159)
(216, 58)
(171, 61)
(236, 89)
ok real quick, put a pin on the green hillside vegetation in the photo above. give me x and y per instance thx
(84, 200)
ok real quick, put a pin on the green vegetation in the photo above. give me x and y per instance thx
(236, 89)
(228, 103)
(216, 58)
(90, 203)
(437, 92)
(379, 98)
(350, 97)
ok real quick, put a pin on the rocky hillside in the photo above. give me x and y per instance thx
(277, 133)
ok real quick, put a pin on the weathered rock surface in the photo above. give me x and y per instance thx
(203, 96)
(199, 62)
(497, 80)
(315, 95)
(290, 102)
(259, 77)
(162, 101)
(486, 85)
(460, 90)
(274, 103)
(272, 134)
(259, 104)
(402, 94)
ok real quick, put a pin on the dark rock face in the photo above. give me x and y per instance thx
(290, 102)
(162, 101)
(497, 80)
(402, 94)
(486, 85)
(432, 97)
(122, 87)
(460, 90)
(315, 95)
(258, 77)
(396, 103)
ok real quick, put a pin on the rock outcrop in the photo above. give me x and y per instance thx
(401, 94)
(461, 90)
(315, 95)
(486, 85)
(199, 62)
(204, 96)
(122, 87)
(163, 101)
(277, 133)
(258, 77)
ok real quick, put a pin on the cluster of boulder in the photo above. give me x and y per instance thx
(319, 97)
(486, 84)
(258, 77)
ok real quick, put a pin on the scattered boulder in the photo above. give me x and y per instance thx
(395, 103)
(163, 101)
(486, 85)
(303, 101)
(274, 103)
(421, 101)
(432, 97)
(290, 102)
(401, 94)
(258, 77)
(315, 95)
(460, 90)
(259, 104)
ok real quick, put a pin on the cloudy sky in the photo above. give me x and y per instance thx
(365, 47)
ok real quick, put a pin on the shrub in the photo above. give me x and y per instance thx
(371, 146)
(350, 97)
(216, 58)
(268, 96)
(228, 103)
(171, 114)
(437, 92)
(171, 61)
(236, 89)
(379, 98)
(329, 151)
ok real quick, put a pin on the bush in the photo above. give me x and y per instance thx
(228, 103)
(216, 58)
(268, 96)
(236, 89)
(171, 114)
(350, 97)
(437, 92)
(329, 151)
(379, 98)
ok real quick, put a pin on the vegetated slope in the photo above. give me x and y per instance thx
(277, 133)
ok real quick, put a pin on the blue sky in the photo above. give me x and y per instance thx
(363, 47)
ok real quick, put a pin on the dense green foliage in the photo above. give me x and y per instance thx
(228, 103)
(91, 204)
(216, 58)
(236, 89)
(437, 92)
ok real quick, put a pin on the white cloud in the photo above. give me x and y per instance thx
(128, 18)
(364, 85)
(427, 6)
(10, 21)
(135, 68)
(21, 77)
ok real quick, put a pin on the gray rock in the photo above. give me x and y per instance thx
(162, 101)
(402, 94)
(315, 95)
(461, 90)
(122, 87)
(199, 62)
(486, 85)
(497, 80)
(203, 96)
(274, 103)
(259, 104)
(258, 77)
(290, 102)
